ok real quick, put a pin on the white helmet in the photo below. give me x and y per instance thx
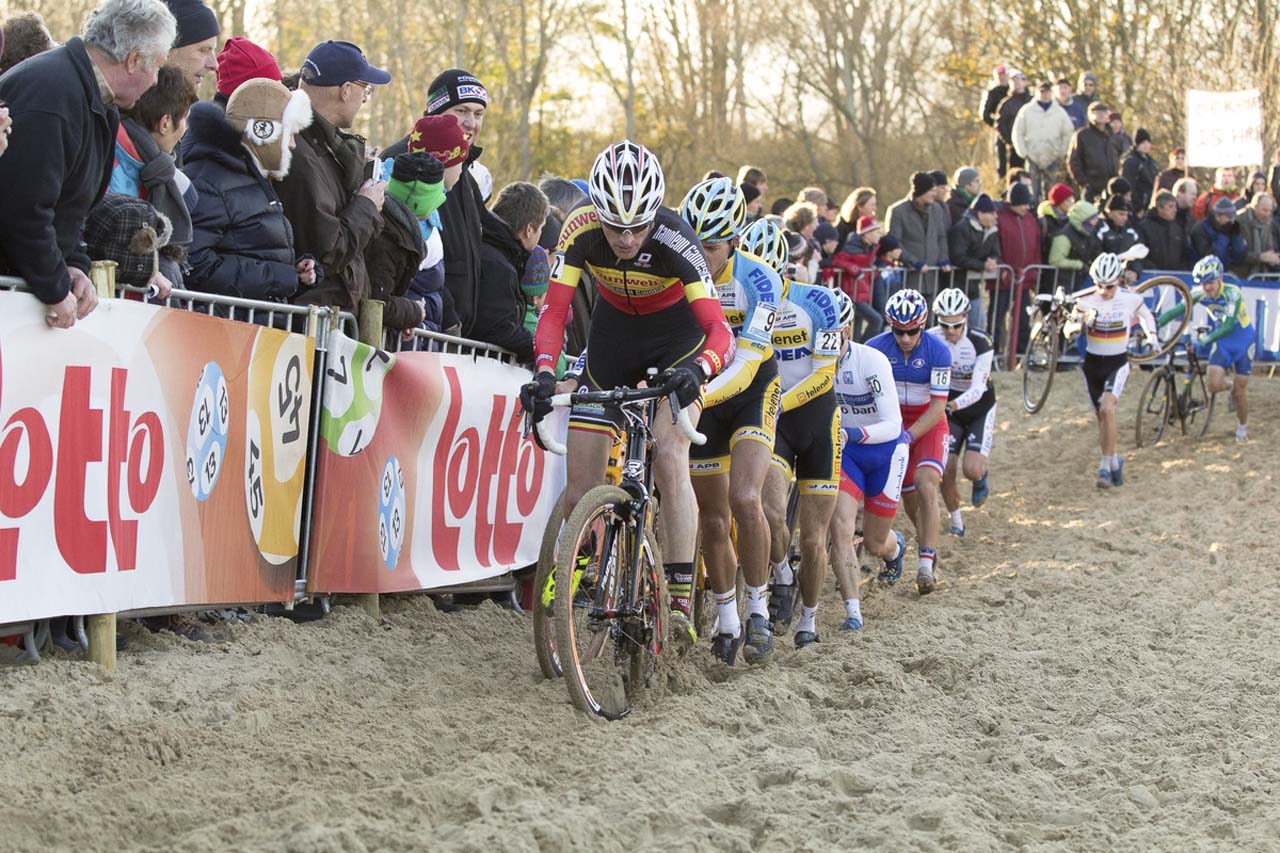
(626, 185)
(845, 305)
(764, 240)
(950, 302)
(715, 209)
(1105, 268)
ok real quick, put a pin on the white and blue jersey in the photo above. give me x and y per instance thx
(750, 293)
(806, 341)
(874, 459)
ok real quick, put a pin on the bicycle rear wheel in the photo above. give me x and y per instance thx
(1198, 405)
(1038, 366)
(648, 635)
(1161, 293)
(544, 593)
(1154, 410)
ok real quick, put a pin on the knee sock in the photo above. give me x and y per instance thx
(680, 585)
(727, 620)
(758, 600)
(956, 520)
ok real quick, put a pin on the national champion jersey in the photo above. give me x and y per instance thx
(806, 341)
(923, 376)
(1108, 321)
(868, 395)
(1228, 314)
(750, 292)
(971, 360)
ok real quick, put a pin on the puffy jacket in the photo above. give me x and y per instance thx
(1042, 135)
(1009, 108)
(1051, 222)
(242, 244)
(856, 273)
(991, 104)
(1207, 199)
(1259, 237)
(1167, 242)
(923, 235)
(1209, 238)
(1141, 171)
(1072, 248)
(971, 245)
(1092, 158)
(500, 301)
(393, 259)
(1019, 242)
(1118, 240)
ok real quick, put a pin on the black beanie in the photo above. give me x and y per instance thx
(982, 204)
(454, 87)
(921, 183)
(196, 21)
(939, 178)
(1141, 136)
(1020, 193)
(1118, 186)
(417, 166)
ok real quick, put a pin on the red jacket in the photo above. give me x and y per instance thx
(1019, 244)
(856, 273)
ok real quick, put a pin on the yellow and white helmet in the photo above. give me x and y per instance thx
(716, 210)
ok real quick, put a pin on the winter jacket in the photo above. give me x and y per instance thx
(392, 260)
(1259, 237)
(1207, 199)
(970, 244)
(1051, 222)
(1092, 159)
(1225, 241)
(1168, 244)
(856, 273)
(1141, 171)
(1008, 113)
(957, 205)
(1118, 240)
(923, 235)
(1122, 142)
(1168, 178)
(1073, 249)
(500, 301)
(991, 104)
(1042, 135)
(143, 171)
(57, 166)
(330, 219)
(1077, 109)
(1019, 242)
(241, 244)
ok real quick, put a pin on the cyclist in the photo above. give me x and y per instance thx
(739, 418)
(1109, 312)
(657, 308)
(806, 340)
(1231, 336)
(872, 463)
(971, 411)
(922, 370)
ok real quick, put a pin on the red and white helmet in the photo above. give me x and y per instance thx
(626, 185)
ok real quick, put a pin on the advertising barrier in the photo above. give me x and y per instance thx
(148, 458)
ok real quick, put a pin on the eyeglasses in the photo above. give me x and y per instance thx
(367, 87)
(633, 231)
(959, 325)
(906, 333)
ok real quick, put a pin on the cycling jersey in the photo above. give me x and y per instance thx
(806, 341)
(749, 292)
(971, 360)
(868, 396)
(1228, 314)
(1108, 321)
(921, 378)
(669, 267)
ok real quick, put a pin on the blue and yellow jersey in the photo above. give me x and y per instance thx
(806, 342)
(750, 292)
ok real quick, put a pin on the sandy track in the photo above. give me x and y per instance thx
(1095, 671)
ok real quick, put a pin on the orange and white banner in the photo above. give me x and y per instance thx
(148, 458)
(424, 478)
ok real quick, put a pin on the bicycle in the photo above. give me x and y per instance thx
(1056, 325)
(611, 626)
(1173, 393)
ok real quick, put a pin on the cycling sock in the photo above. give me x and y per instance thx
(727, 620)
(1115, 462)
(1105, 464)
(758, 600)
(808, 619)
(1242, 431)
(898, 551)
(783, 573)
(853, 608)
(680, 585)
(928, 556)
(956, 520)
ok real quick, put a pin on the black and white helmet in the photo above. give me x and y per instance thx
(950, 302)
(626, 185)
(1106, 268)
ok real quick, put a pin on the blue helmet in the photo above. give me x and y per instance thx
(1207, 269)
(907, 309)
(715, 209)
(766, 241)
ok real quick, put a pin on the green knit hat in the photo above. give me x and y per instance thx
(417, 180)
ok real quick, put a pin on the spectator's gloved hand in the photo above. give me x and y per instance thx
(917, 265)
(685, 381)
(535, 396)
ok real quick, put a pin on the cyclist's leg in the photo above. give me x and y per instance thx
(1107, 424)
(777, 489)
(712, 492)
(588, 455)
(815, 520)
(1243, 368)
(950, 491)
(975, 464)
(1216, 379)
(843, 556)
(679, 507)
(818, 479)
(747, 472)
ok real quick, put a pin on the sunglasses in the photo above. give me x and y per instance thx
(959, 325)
(906, 333)
(633, 231)
(1107, 286)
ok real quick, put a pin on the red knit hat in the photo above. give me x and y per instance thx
(242, 60)
(867, 223)
(441, 137)
(1059, 193)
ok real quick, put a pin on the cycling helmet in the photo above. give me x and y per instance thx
(950, 302)
(716, 209)
(764, 240)
(907, 309)
(1106, 268)
(626, 185)
(845, 305)
(1207, 269)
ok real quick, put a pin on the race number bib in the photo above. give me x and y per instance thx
(762, 320)
(826, 342)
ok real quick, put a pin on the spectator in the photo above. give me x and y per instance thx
(24, 36)
(420, 180)
(65, 101)
(1224, 186)
(754, 201)
(241, 60)
(1092, 158)
(129, 231)
(1042, 134)
(1261, 232)
(802, 218)
(1185, 192)
(826, 238)
(1017, 98)
(194, 51)
(1257, 184)
(1019, 235)
(1177, 170)
(334, 210)
(817, 197)
(1019, 176)
(1053, 214)
(1088, 87)
(1273, 176)
(889, 270)
(941, 192)
(1118, 187)
(1077, 109)
(534, 284)
(712, 173)
(1074, 247)
(1164, 236)
(799, 254)
(991, 112)
(779, 206)
(397, 252)
(520, 211)
(243, 244)
(1117, 236)
(857, 204)
(921, 228)
(968, 185)
(1141, 171)
(1120, 138)
(858, 260)
(1219, 234)
(755, 177)
(974, 246)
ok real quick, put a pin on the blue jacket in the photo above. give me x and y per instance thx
(1228, 244)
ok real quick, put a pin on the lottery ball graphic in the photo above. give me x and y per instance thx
(353, 394)
(391, 512)
(207, 431)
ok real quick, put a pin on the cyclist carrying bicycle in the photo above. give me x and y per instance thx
(971, 409)
(872, 463)
(657, 308)
(1109, 313)
(739, 420)
(1230, 339)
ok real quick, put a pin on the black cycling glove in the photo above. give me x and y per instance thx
(535, 396)
(685, 381)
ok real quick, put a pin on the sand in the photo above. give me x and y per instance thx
(1094, 672)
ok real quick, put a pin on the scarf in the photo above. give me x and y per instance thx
(159, 177)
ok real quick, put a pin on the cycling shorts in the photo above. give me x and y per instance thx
(622, 347)
(927, 451)
(971, 429)
(808, 445)
(1234, 352)
(874, 472)
(1105, 374)
(751, 415)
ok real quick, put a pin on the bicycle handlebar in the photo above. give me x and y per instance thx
(617, 395)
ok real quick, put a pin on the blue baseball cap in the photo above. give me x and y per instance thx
(333, 63)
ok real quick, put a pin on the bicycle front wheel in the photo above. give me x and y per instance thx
(1154, 410)
(1038, 366)
(1161, 293)
(1198, 405)
(544, 593)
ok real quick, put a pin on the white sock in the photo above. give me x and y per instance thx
(898, 550)
(956, 520)
(1241, 430)
(727, 621)
(1105, 464)
(758, 601)
(783, 573)
(853, 608)
(1115, 462)
(808, 620)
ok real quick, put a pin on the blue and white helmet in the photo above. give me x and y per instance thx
(765, 240)
(1207, 269)
(907, 309)
(845, 306)
(716, 209)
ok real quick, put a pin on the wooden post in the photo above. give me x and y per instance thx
(371, 333)
(103, 276)
(102, 640)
